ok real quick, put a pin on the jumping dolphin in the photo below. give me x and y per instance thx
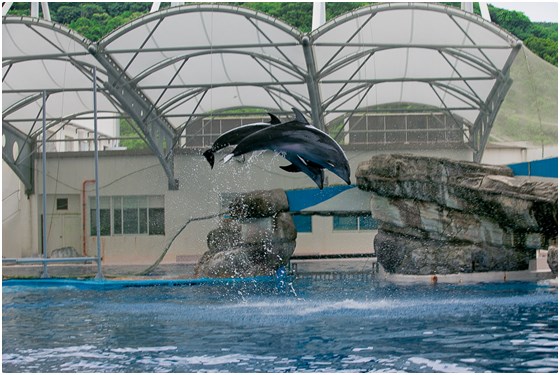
(234, 136)
(298, 138)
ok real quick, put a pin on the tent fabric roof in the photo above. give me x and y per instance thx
(185, 62)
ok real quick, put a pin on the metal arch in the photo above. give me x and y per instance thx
(480, 131)
(464, 57)
(461, 94)
(216, 51)
(22, 163)
(487, 109)
(216, 8)
(186, 96)
(312, 80)
(506, 36)
(157, 131)
(47, 25)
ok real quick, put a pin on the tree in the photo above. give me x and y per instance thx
(66, 14)
(129, 129)
(544, 48)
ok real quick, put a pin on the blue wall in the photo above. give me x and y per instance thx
(303, 198)
(538, 168)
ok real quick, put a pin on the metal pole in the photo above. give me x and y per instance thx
(96, 157)
(45, 274)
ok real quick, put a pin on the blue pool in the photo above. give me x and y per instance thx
(308, 325)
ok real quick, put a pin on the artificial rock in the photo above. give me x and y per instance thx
(256, 240)
(442, 216)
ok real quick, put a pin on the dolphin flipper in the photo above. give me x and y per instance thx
(290, 168)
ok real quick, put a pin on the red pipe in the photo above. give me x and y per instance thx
(84, 216)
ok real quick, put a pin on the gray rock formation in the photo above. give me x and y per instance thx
(442, 216)
(256, 240)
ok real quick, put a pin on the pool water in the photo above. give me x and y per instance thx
(306, 326)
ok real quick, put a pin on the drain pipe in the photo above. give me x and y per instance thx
(84, 216)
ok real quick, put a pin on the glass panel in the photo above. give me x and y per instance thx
(104, 216)
(130, 215)
(367, 222)
(357, 138)
(143, 220)
(104, 220)
(303, 223)
(157, 221)
(130, 220)
(117, 215)
(61, 203)
(395, 129)
(345, 223)
(417, 125)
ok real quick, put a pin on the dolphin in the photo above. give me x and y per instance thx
(299, 164)
(233, 136)
(298, 137)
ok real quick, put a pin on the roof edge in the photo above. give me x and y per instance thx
(206, 7)
(504, 34)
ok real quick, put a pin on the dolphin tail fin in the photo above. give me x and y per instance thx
(209, 155)
(290, 168)
(274, 120)
(299, 116)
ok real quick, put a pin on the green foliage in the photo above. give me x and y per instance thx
(67, 14)
(296, 14)
(541, 38)
(334, 10)
(129, 129)
(545, 48)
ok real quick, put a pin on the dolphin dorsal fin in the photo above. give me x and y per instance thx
(300, 117)
(273, 119)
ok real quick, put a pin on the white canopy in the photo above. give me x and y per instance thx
(169, 68)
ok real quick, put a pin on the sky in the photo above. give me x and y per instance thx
(536, 11)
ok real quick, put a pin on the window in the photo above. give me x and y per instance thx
(361, 222)
(345, 223)
(127, 215)
(104, 216)
(366, 222)
(62, 204)
(303, 223)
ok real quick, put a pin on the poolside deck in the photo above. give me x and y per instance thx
(305, 268)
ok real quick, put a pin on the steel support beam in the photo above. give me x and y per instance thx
(480, 132)
(311, 78)
(17, 152)
(159, 134)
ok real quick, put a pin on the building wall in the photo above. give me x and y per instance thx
(125, 173)
(517, 152)
(325, 240)
(18, 213)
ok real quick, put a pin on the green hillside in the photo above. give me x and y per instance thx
(530, 110)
